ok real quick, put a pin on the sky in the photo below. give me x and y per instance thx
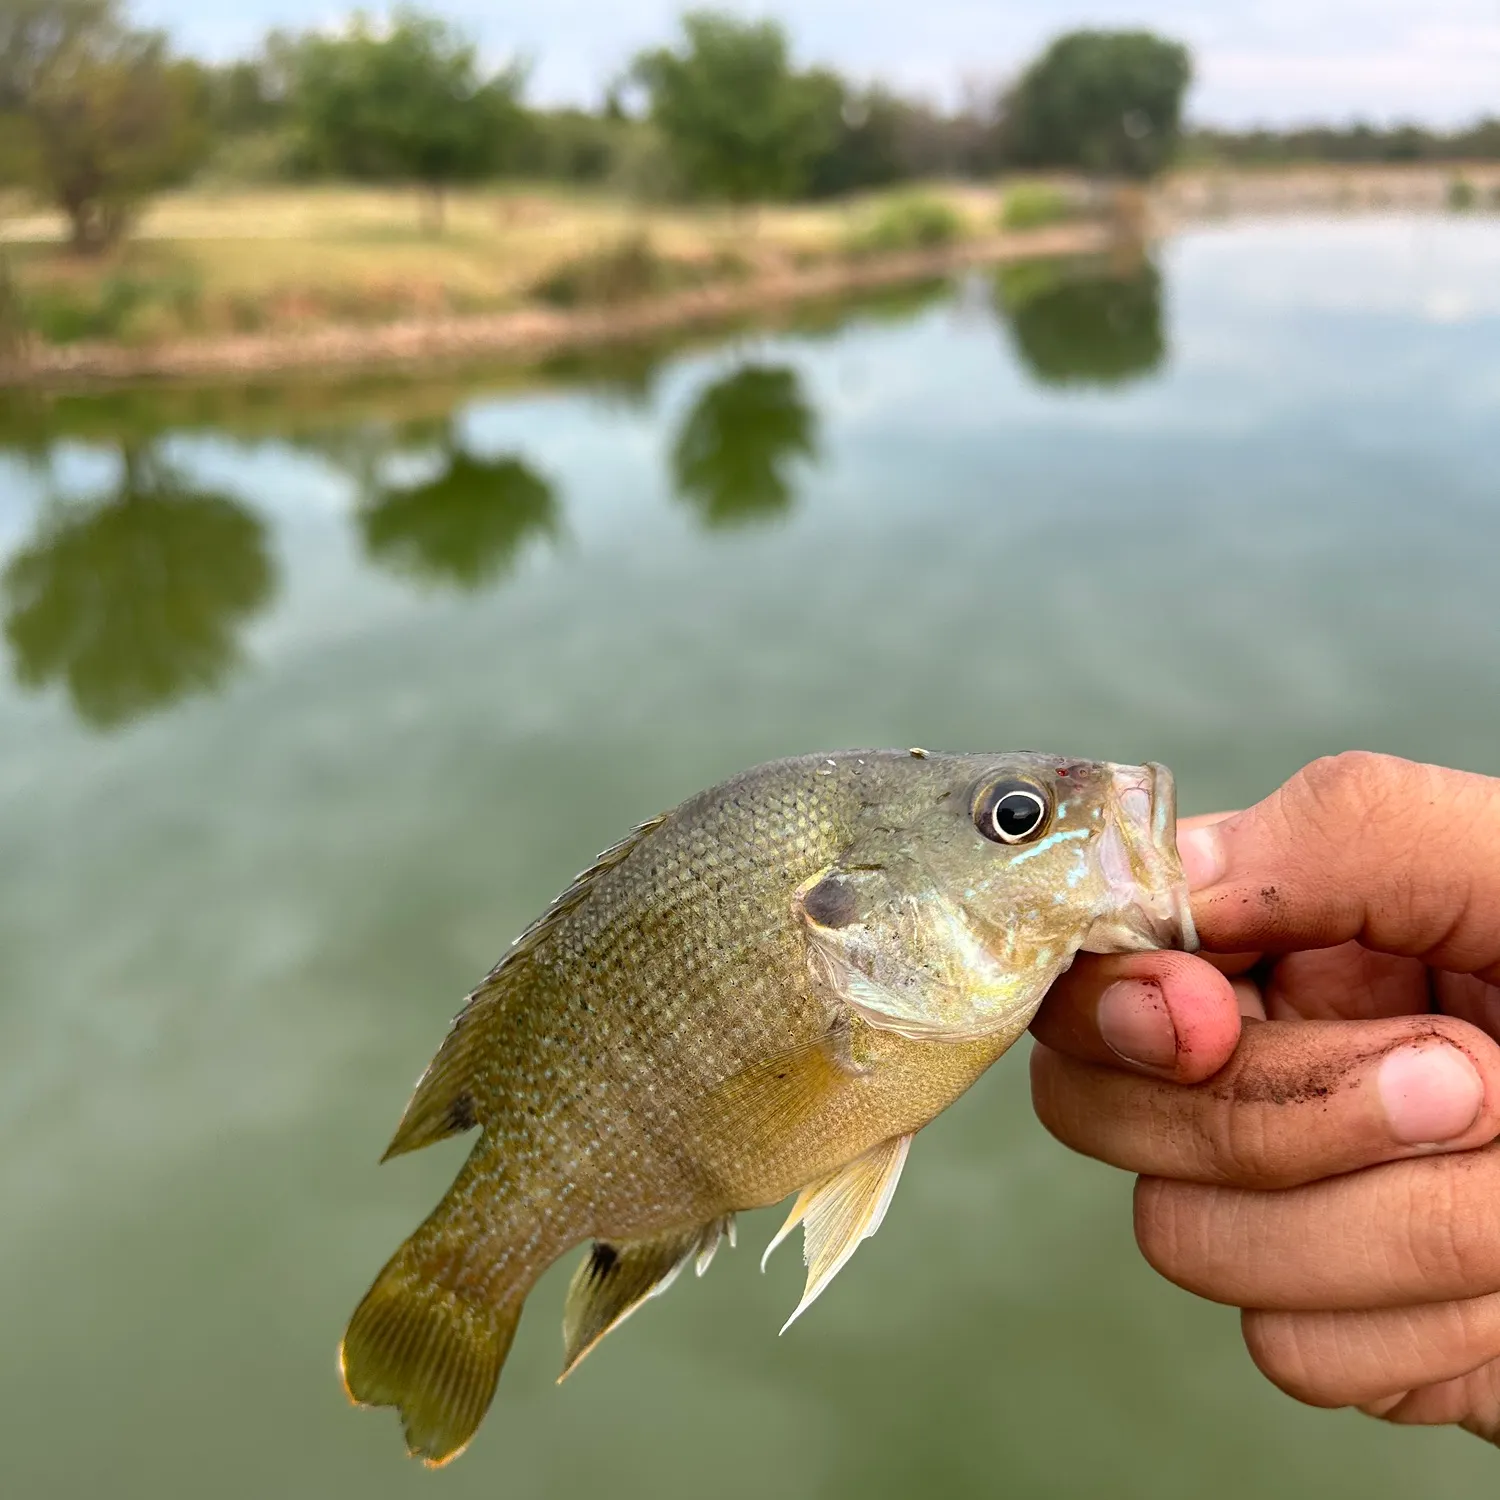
(1259, 61)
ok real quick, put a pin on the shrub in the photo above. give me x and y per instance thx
(621, 272)
(1029, 205)
(123, 307)
(911, 223)
(1461, 194)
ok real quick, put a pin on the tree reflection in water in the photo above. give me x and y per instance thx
(1084, 323)
(466, 527)
(737, 444)
(136, 601)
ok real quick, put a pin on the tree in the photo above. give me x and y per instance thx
(731, 457)
(1106, 102)
(739, 123)
(97, 116)
(465, 527)
(34, 33)
(404, 103)
(134, 603)
(1084, 324)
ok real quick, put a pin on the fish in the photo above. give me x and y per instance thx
(766, 991)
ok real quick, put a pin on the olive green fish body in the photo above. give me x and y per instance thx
(769, 989)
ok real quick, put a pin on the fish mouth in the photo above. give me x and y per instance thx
(1138, 856)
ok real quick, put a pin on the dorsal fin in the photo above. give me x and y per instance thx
(446, 1101)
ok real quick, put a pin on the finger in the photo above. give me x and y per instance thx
(1251, 1001)
(1358, 1358)
(1470, 1401)
(1406, 1233)
(1396, 855)
(1470, 998)
(1169, 1014)
(1347, 983)
(1298, 1101)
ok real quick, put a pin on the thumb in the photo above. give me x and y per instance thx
(1400, 857)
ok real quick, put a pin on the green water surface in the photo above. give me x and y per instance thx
(313, 697)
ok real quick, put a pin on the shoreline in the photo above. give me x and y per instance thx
(529, 333)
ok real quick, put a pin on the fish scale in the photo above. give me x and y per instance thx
(767, 991)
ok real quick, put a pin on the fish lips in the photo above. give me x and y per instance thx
(1141, 867)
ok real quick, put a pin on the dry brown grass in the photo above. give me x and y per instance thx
(210, 261)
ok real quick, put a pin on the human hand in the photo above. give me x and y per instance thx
(1327, 1167)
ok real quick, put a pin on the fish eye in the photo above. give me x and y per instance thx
(1013, 812)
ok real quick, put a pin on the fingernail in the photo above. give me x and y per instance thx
(1202, 854)
(1134, 1021)
(1431, 1094)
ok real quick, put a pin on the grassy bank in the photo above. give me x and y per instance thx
(271, 279)
(205, 264)
(218, 281)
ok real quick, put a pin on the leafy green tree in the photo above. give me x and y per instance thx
(467, 526)
(34, 33)
(407, 102)
(739, 122)
(1106, 102)
(96, 116)
(1083, 324)
(134, 603)
(731, 458)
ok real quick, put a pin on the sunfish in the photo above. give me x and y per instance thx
(767, 991)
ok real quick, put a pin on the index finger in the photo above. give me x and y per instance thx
(1400, 857)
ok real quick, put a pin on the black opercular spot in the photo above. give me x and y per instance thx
(461, 1113)
(831, 903)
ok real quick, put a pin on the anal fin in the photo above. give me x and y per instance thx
(837, 1212)
(615, 1279)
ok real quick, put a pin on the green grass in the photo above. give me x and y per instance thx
(916, 221)
(1031, 205)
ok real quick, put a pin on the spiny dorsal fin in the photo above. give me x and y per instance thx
(838, 1211)
(446, 1101)
(613, 1280)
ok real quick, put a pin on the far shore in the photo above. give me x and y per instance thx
(341, 280)
(533, 333)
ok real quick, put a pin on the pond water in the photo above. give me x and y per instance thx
(314, 697)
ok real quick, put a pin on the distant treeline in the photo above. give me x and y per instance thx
(1352, 143)
(96, 114)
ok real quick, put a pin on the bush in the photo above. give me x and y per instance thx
(622, 272)
(913, 223)
(1029, 205)
(1461, 194)
(120, 307)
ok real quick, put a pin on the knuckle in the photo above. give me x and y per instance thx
(1358, 784)
(1290, 1352)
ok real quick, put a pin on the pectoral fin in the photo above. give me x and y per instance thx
(764, 1104)
(613, 1280)
(839, 1211)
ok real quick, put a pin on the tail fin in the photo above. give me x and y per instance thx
(424, 1348)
